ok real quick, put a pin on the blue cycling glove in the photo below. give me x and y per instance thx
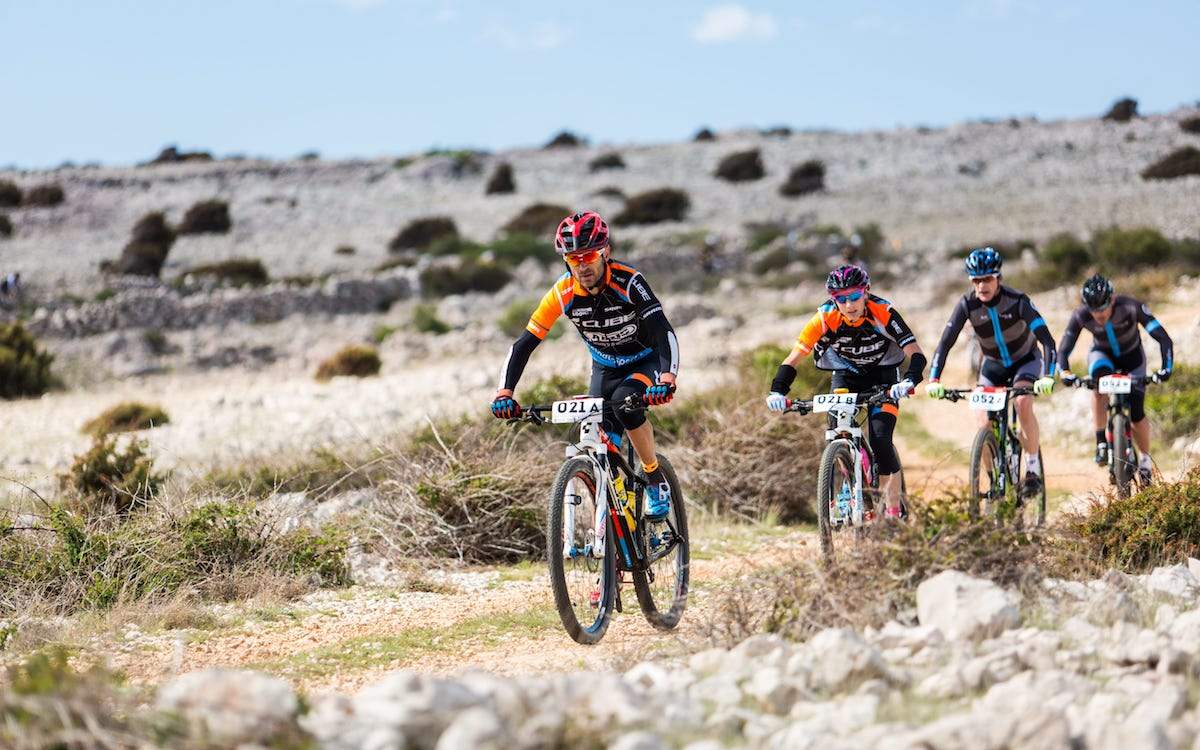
(506, 407)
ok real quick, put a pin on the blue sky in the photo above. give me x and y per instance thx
(112, 81)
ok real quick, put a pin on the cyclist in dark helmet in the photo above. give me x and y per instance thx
(633, 346)
(1009, 329)
(1113, 321)
(863, 340)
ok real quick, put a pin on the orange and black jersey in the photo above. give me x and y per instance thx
(621, 324)
(877, 339)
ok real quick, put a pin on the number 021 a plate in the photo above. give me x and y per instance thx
(577, 410)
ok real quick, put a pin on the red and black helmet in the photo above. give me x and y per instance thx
(581, 231)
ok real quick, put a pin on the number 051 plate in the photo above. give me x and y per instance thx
(982, 400)
(577, 410)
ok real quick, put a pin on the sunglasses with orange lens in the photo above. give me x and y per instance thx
(584, 258)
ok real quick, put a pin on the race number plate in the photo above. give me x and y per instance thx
(1115, 384)
(826, 401)
(577, 410)
(982, 400)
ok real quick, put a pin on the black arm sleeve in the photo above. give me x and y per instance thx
(518, 357)
(1166, 348)
(958, 319)
(916, 368)
(1037, 324)
(654, 321)
(1067, 344)
(784, 377)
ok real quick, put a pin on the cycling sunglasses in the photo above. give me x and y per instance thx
(982, 279)
(849, 296)
(584, 258)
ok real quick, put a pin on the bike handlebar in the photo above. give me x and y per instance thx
(1092, 383)
(958, 394)
(876, 395)
(535, 414)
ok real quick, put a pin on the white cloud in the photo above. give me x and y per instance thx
(734, 23)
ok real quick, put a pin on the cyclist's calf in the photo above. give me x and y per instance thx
(882, 426)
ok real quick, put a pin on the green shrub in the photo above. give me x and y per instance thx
(514, 248)
(419, 234)
(463, 161)
(771, 260)
(758, 367)
(501, 182)
(1175, 405)
(565, 139)
(10, 194)
(1130, 249)
(109, 476)
(1190, 125)
(425, 320)
(148, 246)
(654, 206)
(1159, 525)
(741, 166)
(24, 369)
(318, 472)
(870, 241)
(1122, 110)
(469, 276)
(539, 220)
(6, 227)
(172, 155)
(1179, 163)
(206, 217)
(454, 246)
(704, 135)
(613, 192)
(43, 196)
(1187, 254)
(805, 178)
(344, 250)
(1067, 254)
(553, 388)
(777, 131)
(515, 317)
(355, 360)
(233, 272)
(128, 416)
(611, 160)
(382, 332)
(764, 235)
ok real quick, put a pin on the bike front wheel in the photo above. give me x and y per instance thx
(835, 492)
(1124, 464)
(582, 567)
(986, 488)
(662, 588)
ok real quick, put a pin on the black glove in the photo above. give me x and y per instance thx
(1163, 375)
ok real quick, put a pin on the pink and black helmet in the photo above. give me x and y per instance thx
(847, 277)
(581, 231)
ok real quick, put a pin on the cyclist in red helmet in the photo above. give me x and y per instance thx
(863, 340)
(633, 347)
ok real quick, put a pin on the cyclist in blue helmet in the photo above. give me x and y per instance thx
(1009, 329)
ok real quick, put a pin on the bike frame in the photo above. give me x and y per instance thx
(1118, 404)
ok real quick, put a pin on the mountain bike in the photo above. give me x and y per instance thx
(1118, 430)
(596, 531)
(995, 478)
(848, 493)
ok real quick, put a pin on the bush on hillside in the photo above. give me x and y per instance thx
(469, 276)
(611, 191)
(111, 477)
(10, 194)
(565, 139)
(805, 178)
(741, 166)
(515, 317)
(1130, 249)
(44, 196)
(425, 320)
(24, 369)
(704, 135)
(172, 155)
(344, 250)
(611, 160)
(514, 248)
(142, 259)
(1190, 125)
(539, 220)
(419, 234)
(355, 360)
(1181, 162)
(233, 272)
(654, 206)
(153, 228)
(206, 217)
(1175, 405)
(1067, 254)
(1122, 110)
(453, 246)
(778, 131)
(128, 416)
(553, 388)
(6, 227)
(501, 182)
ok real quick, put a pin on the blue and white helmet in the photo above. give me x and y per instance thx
(983, 261)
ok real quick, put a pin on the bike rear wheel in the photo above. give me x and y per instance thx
(662, 589)
(986, 488)
(1124, 464)
(835, 480)
(584, 585)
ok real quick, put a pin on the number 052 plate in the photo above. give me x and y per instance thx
(987, 400)
(577, 410)
(1116, 384)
